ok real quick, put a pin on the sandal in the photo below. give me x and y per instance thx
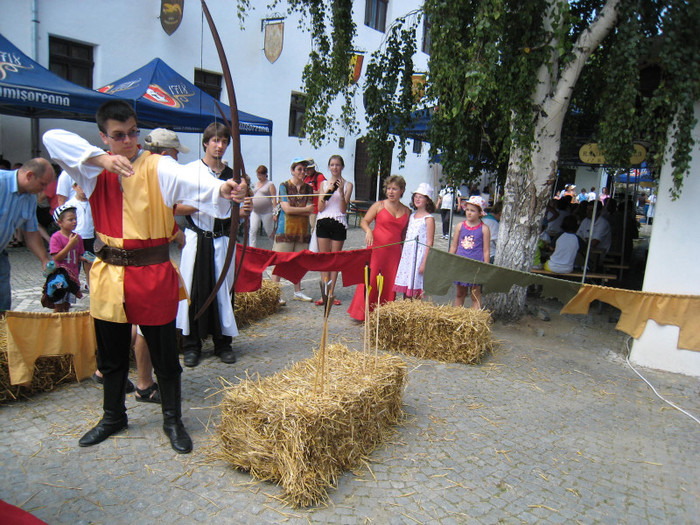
(148, 395)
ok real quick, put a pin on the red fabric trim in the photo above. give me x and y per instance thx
(471, 228)
(293, 266)
(106, 205)
(11, 515)
(151, 293)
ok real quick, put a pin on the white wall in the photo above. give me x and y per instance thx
(672, 267)
(587, 177)
(127, 35)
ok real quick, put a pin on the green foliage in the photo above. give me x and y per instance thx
(483, 76)
(327, 75)
(389, 95)
(620, 73)
(615, 104)
(671, 106)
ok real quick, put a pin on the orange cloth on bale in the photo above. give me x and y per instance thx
(638, 307)
(31, 335)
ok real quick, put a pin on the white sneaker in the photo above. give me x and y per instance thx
(282, 302)
(300, 296)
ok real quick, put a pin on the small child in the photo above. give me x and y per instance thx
(84, 227)
(567, 246)
(67, 250)
(472, 240)
(409, 276)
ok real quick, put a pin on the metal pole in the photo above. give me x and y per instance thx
(590, 233)
(452, 211)
(270, 155)
(415, 259)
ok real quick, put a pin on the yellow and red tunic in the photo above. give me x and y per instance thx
(134, 218)
(132, 213)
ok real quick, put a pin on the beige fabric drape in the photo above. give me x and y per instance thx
(638, 307)
(443, 268)
(31, 335)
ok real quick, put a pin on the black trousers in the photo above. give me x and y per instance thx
(445, 215)
(113, 344)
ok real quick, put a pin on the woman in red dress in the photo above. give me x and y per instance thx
(390, 222)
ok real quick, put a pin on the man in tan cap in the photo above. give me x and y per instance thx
(164, 142)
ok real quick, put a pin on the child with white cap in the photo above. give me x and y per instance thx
(420, 236)
(472, 240)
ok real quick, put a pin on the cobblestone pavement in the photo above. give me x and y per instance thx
(552, 428)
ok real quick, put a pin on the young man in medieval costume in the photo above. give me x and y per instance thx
(132, 194)
(203, 259)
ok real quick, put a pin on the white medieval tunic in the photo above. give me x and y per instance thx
(205, 222)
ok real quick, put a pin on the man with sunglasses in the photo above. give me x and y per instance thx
(132, 195)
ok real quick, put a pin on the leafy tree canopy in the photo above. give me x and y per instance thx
(485, 70)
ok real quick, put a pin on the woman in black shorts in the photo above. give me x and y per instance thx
(332, 219)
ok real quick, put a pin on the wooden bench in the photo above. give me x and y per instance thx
(358, 209)
(578, 275)
(616, 266)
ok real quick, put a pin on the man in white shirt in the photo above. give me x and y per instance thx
(601, 238)
(591, 194)
(64, 188)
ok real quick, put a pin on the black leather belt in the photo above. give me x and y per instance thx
(205, 233)
(140, 257)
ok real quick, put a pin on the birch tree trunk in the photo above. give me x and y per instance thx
(531, 172)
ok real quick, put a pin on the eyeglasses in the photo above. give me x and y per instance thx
(119, 136)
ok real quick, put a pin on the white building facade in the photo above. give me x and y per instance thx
(672, 266)
(127, 34)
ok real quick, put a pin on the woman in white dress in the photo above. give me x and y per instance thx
(420, 236)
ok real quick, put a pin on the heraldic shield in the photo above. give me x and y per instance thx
(171, 15)
(274, 38)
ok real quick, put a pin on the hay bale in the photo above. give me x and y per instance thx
(49, 372)
(429, 331)
(253, 306)
(279, 430)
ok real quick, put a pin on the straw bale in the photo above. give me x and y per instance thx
(429, 331)
(49, 371)
(253, 306)
(280, 430)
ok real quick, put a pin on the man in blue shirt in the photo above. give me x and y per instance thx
(18, 189)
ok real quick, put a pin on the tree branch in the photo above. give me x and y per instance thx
(588, 41)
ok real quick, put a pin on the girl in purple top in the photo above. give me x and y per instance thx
(471, 239)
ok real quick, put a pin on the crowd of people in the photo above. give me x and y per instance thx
(569, 224)
(112, 215)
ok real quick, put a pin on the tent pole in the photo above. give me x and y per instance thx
(590, 232)
(35, 137)
(270, 154)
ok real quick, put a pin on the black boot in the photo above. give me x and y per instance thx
(192, 348)
(109, 424)
(114, 419)
(172, 416)
(222, 348)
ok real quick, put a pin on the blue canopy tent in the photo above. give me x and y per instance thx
(637, 176)
(164, 98)
(28, 89)
(418, 127)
